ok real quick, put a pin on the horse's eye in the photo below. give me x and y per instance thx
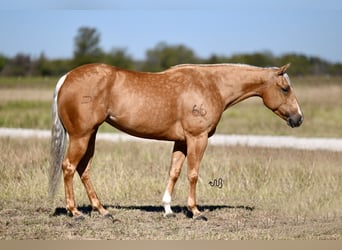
(286, 89)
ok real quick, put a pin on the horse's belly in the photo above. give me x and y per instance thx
(151, 127)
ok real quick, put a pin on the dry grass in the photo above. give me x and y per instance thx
(266, 194)
(26, 94)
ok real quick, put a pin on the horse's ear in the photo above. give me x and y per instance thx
(282, 69)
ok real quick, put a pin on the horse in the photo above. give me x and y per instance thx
(182, 104)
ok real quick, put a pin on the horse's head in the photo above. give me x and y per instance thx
(278, 95)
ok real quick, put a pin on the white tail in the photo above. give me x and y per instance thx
(58, 142)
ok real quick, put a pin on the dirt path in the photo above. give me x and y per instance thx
(331, 144)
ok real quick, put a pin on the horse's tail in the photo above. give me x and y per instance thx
(58, 143)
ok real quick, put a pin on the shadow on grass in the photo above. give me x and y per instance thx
(154, 209)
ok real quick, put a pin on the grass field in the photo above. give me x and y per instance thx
(266, 193)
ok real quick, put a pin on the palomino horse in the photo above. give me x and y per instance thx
(182, 104)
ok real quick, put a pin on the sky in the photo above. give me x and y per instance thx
(222, 27)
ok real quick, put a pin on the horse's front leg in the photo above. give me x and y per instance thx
(177, 160)
(196, 146)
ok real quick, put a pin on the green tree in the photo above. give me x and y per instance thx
(3, 61)
(20, 65)
(335, 69)
(164, 56)
(42, 65)
(261, 59)
(300, 64)
(87, 46)
(119, 58)
(214, 59)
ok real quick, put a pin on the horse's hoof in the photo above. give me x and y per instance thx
(169, 215)
(79, 217)
(110, 217)
(200, 217)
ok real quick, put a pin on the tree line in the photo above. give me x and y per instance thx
(87, 50)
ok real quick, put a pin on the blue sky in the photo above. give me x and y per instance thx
(224, 27)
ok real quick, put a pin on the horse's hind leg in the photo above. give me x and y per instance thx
(83, 169)
(76, 151)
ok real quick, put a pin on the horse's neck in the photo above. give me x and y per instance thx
(239, 83)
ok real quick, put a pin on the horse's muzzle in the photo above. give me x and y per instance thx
(295, 120)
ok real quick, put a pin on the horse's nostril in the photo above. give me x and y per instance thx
(301, 120)
(291, 123)
(295, 121)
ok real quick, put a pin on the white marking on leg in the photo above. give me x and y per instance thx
(167, 203)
